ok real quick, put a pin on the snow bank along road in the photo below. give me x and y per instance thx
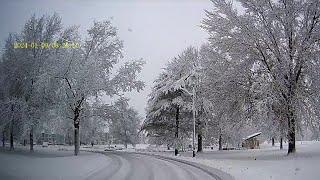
(94, 166)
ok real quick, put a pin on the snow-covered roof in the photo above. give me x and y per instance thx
(252, 135)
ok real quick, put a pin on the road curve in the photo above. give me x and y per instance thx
(127, 166)
(62, 165)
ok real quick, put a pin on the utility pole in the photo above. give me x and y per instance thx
(193, 94)
(194, 122)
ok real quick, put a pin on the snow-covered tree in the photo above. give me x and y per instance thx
(224, 87)
(24, 70)
(282, 35)
(125, 122)
(56, 79)
(169, 110)
(87, 71)
(13, 117)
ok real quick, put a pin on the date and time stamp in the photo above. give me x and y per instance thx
(45, 45)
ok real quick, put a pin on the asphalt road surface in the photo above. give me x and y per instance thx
(94, 166)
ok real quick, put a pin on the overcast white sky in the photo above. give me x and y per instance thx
(155, 30)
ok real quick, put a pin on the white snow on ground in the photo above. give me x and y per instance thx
(265, 163)
(53, 163)
(130, 148)
(48, 163)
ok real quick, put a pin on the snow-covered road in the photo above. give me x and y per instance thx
(113, 166)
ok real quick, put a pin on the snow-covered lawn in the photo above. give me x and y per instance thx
(49, 163)
(265, 163)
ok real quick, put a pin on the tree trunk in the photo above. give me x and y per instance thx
(76, 140)
(291, 129)
(69, 140)
(31, 139)
(11, 129)
(291, 137)
(76, 124)
(272, 140)
(220, 142)
(176, 151)
(199, 142)
(126, 139)
(3, 139)
(11, 136)
(11, 141)
(281, 133)
(220, 139)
